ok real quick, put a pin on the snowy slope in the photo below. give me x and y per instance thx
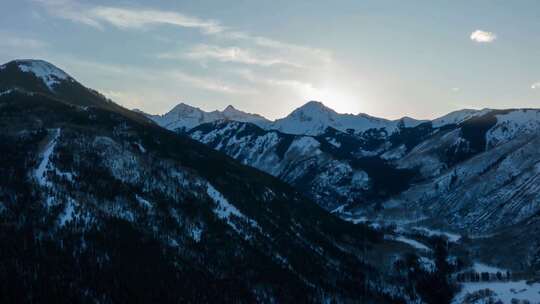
(46, 72)
(184, 117)
(513, 124)
(457, 117)
(94, 192)
(50, 74)
(495, 187)
(314, 118)
(299, 160)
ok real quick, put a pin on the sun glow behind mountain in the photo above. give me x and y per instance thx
(336, 97)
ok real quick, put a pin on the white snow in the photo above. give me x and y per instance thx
(186, 117)
(505, 291)
(427, 264)
(480, 267)
(452, 237)
(303, 145)
(48, 73)
(395, 153)
(143, 202)
(68, 213)
(457, 117)
(225, 210)
(40, 173)
(196, 233)
(141, 148)
(6, 92)
(314, 118)
(333, 142)
(412, 243)
(512, 124)
(339, 209)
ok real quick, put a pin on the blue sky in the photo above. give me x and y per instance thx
(385, 58)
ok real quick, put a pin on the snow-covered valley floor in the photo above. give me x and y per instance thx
(503, 291)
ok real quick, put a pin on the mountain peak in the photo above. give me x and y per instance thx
(50, 74)
(185, 117)
(183, 108)
(314, 104)
(313, 108)
(230, 108)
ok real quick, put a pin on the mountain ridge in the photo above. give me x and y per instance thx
(90, 192)
(312, 118)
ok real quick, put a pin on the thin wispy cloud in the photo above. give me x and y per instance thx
(151, 75)
(227, 54)
(483, 36)
(21, 43)
(298, 86)
(210, 84)
(99, 16)
(142, 18)
(323, 56)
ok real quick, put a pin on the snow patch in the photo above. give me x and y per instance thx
(412, 243)
(144, 203)
(6, 92)
(452, 237)
(40, 173)
(513, 124)
(68, 213)
(141, 148)
(480, 267)
(196, 233)
(48, 73)
(226, 211)
(504, 291)
(457, 117)
(427, 264)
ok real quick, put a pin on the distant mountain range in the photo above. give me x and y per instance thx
(313, 118)
(184, 117)
(99, 203)
(471, 171)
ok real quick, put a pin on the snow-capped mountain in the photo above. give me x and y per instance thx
(473, 171)
(92, 190)
(184, 117)
(314, 118)
(98, 205)
(41, 77)
(308, 163)
(335, 168)
(481, 176)
(457, 117)
(49, 74)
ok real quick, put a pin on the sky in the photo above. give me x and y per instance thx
(388, 59)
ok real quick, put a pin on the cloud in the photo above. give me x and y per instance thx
(483, 36)
(145, 75)
(294, 84)
(536, 85)
(139, 18)
(322, 56)
(21, 43)
(228, 54)
(98, 16)
(210, 84)
(143, 18)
